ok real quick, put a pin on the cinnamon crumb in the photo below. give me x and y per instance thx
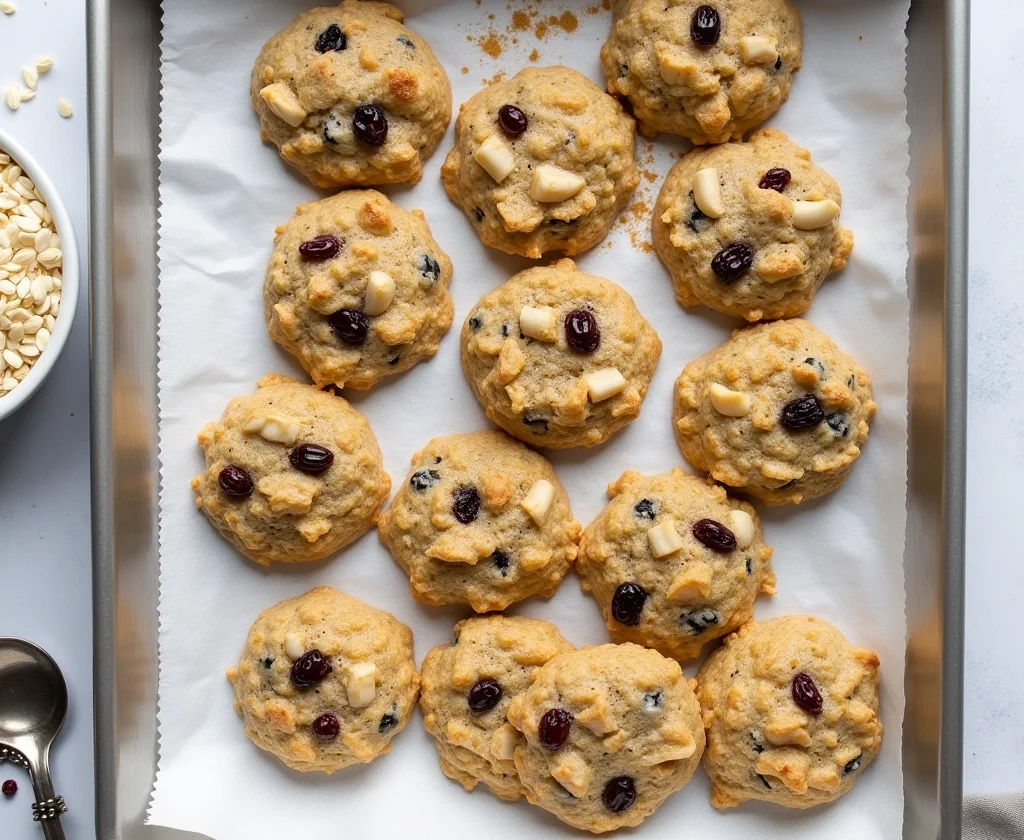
(520, 20)
(567, 22)
(534, 55)
(490, 44)
(541, 30)
(465, 71)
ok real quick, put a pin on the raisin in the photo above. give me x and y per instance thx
(806, 695)
(311, 458)
(778, 64)
(424, 479)
(619, 794)
(538, 425)
(320, 248)
(310, 668)
(326, 727)
(388, 721)
(775, 179)
(370, 125)
(502, 561)
(484, 696)
(732, 262)
(332, 128)
(504, 330)
(653, 700)
(350, 325)
(429, 268)
(466, 504)
(750, 567)
(235, 481)
(838, 423)
(645, 509)
(714, 535)
(512, 120)
(475, 323)
(697, 221)
(705, 26)
(554, 728)
(9, 788)
(853, 765)
(818, 365)
(394, 361)
(582, 333)
(332, 39)
(700, 620)
(628, 603)
(480, 215)
(406, 42)
(802, 413)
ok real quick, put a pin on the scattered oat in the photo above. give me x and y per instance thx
(44, 65)
(64, 108)
(12, 96)
(31, 77)
(8, 8)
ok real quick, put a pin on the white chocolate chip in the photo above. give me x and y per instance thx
(729, 403)
(676, 70)
(361, 685)
(757, 49)
(664, 538)
(293, 646)
(742, 527)
(811, 215)
(538, 322)
(503, 744)
(604, 383)
(380, 291)
(551, 184)
(496, 158)
(538, 501)
(282, 101)
(275, 429)
(707, 193)
(572, 773)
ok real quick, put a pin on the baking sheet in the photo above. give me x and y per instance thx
(222, 192)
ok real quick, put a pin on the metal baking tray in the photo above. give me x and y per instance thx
(124, 110)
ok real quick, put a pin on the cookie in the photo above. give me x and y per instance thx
(350, 96)
(708, 72)
(777, 411)
(542, 162)
(480, 520)
(357, 289)
(750, 229)
(673, 562)
(558, 357)
(292, 473)
(791, 712)
(325, 681)
(609, 733)
(467, 687)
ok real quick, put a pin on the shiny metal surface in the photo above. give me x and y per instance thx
(33, 706)
(124, 112)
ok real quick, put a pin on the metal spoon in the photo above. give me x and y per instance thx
(33, 705)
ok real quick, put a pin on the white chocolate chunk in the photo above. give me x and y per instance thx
(675, 70)
(811, 215)
(551, 184)
(538, 322)
(293, 646)
(380, 291)
(538, 501)
(361, 685)
(707, 193)
(503, 744)
(496, 158)
(282, 101)
(275, 429)
(664, 538)
(572, 773)
(742, 527)
(729, 403)
(757, 49)
(604, 383)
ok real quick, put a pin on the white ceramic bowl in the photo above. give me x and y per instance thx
(69, 279)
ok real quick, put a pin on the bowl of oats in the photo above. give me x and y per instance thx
(38, 276)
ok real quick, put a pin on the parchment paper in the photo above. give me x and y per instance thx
(222, 193)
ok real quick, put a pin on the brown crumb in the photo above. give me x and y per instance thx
(567, 22)
(497, 77)
(490, 44)
(465, 71)
(534, 55)
(520, 20)
(541, 30)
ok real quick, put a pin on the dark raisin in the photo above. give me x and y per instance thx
(698, 221)
(235, 482)
(388, 721)
(806, 695)
(705, 26)
(756, 745)
(851, 381)
(505, 330)
(320, 248)
(838, 423)
(512, 120)
(818, 365)
(645, 509)
(732, 262)
(370, 125)
(852, 766)
(750, 566)
(394, 361)
(476, 322)
(332, 39)
(480, 215)
(764, 781)
(326, 727)
(538, 425)
(406, 42)
(778, 64)
(714, 535)
(775, 179)
(582, 333)
(350, 325)
(484, 696)
(268, 662)
(466, 504)
(429, 268)
(627, 603)
(311, 458)
(310, 668)
(619, 794)
(653, 700)
(424, 479)
(9, 788)
(700, 620)
(501, 561)
(554, 728)
(802, 413)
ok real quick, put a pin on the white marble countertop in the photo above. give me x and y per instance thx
(45, 570)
